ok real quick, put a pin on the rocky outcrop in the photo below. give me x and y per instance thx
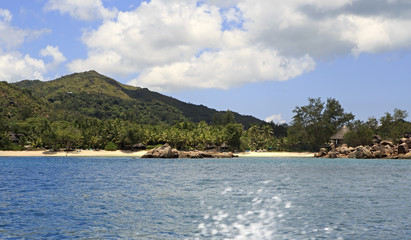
(403, 148)
(406, 156)
(380, 149)
(204, 154)
(166, 151)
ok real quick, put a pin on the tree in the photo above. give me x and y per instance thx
(233, 132)
(394, 126)
(315, 123)
(360, 134)
(66, 134)
(110, 146)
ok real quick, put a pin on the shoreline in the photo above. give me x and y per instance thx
(120, 153)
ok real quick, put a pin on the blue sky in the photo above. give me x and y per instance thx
(259, 58)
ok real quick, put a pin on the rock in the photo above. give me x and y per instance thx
(406, 156)
(363, 153)
(376, 147)
(352, 155)
(409, 142)
(203, 154)
(402, 140)
(403, 148)
(333, 154)
(387, 143)
(164, 151)
(321, 153)
(388, 148)
(383, 153)
(344, 150)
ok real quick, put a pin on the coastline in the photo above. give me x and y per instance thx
(119, 153)
(77, 153)
(275, 154)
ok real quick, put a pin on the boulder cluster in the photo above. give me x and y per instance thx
(379, 149)
(166, 151)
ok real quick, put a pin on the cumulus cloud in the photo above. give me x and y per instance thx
(173, 44)
(15, 67)
(55, 54)
(86, 10)
(224, 69)
(155, 34)
(276, 118)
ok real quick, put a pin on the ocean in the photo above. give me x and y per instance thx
(241, 198)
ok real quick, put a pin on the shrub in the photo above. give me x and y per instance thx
(111, 147)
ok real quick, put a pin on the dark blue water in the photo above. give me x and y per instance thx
(247, 198)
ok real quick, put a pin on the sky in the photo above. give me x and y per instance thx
(261, 58)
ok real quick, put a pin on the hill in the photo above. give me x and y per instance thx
(19, 104)
(92, 94)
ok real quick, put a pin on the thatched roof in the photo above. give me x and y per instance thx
(340, 134)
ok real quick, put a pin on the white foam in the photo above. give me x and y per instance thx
(228, 189)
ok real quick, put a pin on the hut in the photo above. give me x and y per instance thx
(338, 138)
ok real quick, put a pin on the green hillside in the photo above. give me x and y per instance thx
(19, 104)
(92, 94)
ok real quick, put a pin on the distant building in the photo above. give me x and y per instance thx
(338, 138)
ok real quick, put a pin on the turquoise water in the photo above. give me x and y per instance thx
(246, 198)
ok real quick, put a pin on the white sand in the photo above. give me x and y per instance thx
(77, 153)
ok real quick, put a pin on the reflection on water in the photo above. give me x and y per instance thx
(247, 215)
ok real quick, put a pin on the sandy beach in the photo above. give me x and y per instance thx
(118, 153)
(77, 153)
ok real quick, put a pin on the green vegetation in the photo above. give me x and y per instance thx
(390, 127)
(111, 147)
(315, 123)
(94, 95)
(91, 111)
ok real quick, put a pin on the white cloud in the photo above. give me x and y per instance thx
(173, 44)
(15, 67)
(6, 15)
(57, 56)
(86, 10)
(276, 118)
(155, 34)
(224, 69)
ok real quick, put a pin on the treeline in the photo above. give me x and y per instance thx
(315, 123)
(311, 128)
(112, 134)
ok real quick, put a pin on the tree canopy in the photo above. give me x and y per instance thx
(314, 123)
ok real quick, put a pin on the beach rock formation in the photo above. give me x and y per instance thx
(379, 149)
(166, 151)
(205, 154)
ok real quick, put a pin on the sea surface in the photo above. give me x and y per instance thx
(243, 198)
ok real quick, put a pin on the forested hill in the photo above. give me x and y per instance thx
(16, 103)
(94, 95)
